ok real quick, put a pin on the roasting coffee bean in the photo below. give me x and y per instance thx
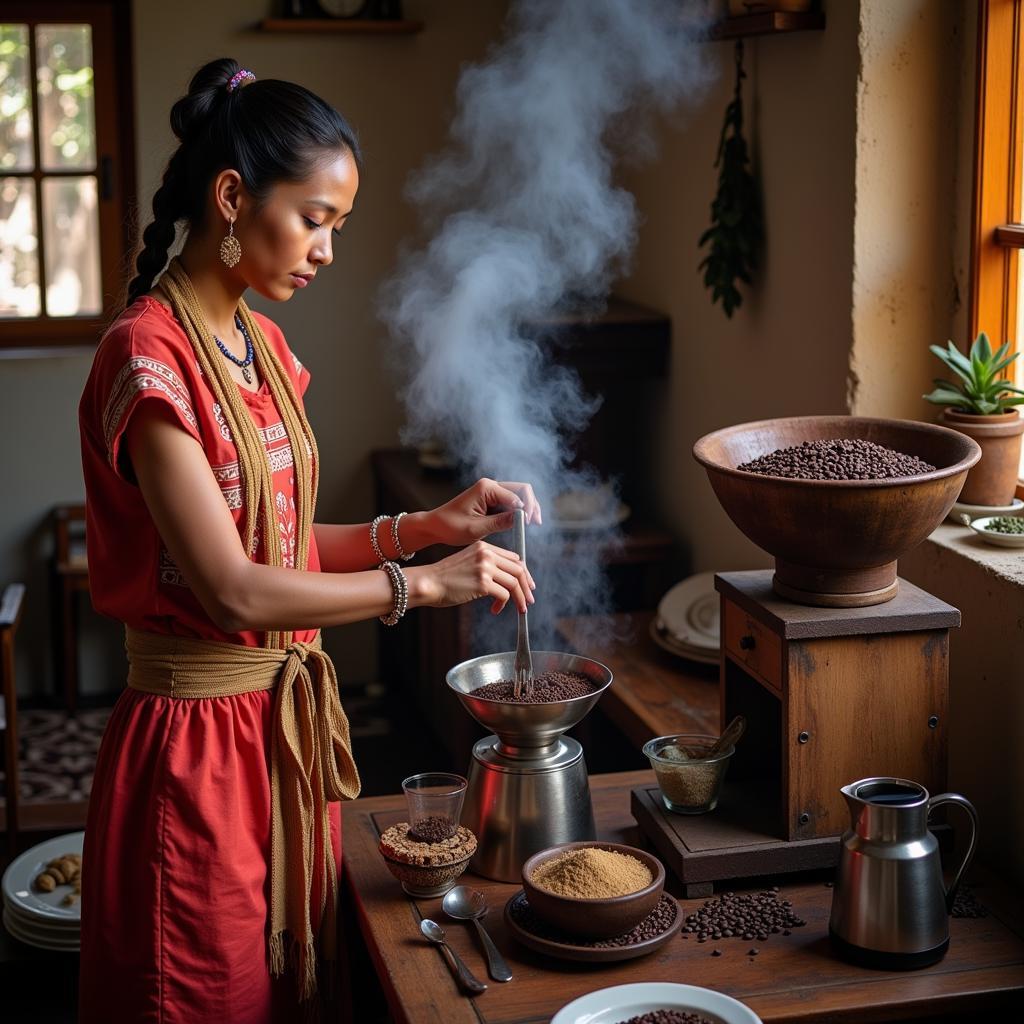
(547, 688)
(841, 459)
(669, 1017)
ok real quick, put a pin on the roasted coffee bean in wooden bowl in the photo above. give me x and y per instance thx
(592, 889)
(819, 493)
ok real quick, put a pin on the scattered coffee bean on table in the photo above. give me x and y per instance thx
(745, 916)
(548, 687)
(656, 923)
(966, 904)
(434, 829)
(841, 459)
(669, 1017)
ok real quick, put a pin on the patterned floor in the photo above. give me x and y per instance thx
(58, 753)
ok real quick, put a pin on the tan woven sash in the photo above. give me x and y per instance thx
(310, 764)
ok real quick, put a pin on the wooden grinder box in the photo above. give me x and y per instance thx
(831, 695)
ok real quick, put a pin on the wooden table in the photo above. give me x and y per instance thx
(793, 979)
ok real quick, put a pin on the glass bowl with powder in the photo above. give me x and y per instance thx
(689, 777)
(593, 889)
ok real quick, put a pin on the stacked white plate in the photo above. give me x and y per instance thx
(41, 918)
(687, 623)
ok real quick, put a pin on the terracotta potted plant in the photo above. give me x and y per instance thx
(980, 403)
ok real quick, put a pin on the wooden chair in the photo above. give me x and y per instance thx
(70, 578)
(10, 618)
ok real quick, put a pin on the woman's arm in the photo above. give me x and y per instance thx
(468, 517)
(196, 525)
(344, 548)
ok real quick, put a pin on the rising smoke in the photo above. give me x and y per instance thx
(524, 216)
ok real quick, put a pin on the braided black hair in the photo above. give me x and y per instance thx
(268, 130)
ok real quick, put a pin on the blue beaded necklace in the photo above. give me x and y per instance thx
(250, 353)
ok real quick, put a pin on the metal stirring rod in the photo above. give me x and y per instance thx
(522, 683)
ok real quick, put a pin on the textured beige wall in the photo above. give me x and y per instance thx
(786, 350)
(397, 91)
(907, 278)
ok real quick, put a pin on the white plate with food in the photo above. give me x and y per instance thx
(982, 527)
(690, 611)
(961, 509)
(20, 887)
(40, 939)
(587, 509)
(619, 1003)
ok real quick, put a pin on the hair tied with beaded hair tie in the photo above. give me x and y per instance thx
(239, 78)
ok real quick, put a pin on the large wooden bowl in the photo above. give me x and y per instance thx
(836, 542)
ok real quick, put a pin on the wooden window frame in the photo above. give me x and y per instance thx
(115, 167)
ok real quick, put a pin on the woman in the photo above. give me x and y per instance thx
(212, 844)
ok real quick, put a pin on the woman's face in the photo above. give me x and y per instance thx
(290, 236)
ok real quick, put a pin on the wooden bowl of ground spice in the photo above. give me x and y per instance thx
(592, 889)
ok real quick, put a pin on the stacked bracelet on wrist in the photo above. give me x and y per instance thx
(394, 538)
(400, 588)
(374, 543)
(378, 551)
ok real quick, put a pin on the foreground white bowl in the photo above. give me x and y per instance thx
(613, 1005)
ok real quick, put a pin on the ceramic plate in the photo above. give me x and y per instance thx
(43, 926)
(690, 612)
(605, 522)
(43, 940)
(961, 508)
(17, 882)
(667, 642)
(567, 950)
(1002, 540)
(613, 1005)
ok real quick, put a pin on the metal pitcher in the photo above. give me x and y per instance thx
(890, 908)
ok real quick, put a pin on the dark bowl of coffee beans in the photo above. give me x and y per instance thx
(836, 499)
(593, 889)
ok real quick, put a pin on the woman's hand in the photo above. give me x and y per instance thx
(470, 516)
(480, 570)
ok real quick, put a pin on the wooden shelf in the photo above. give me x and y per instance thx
(350, 26)
(624, 341)
(768, 23)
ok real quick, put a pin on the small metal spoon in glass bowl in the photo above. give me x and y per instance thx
(462, 974)
(465, 904)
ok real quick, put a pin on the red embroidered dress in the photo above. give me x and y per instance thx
(175, 888)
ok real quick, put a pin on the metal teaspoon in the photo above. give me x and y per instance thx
(462, 974)
(465, 904)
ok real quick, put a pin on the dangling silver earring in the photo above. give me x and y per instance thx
(230, 247)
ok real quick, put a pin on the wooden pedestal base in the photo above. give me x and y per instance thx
(736, 840)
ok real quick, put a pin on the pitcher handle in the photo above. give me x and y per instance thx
(956, 798)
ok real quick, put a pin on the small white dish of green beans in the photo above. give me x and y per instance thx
(1003, 531)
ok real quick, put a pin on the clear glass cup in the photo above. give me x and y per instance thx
(690, 782)
(434, 801)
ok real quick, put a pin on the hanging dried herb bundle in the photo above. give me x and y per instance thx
(736, 225)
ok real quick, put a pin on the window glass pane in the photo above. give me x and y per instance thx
(15, 100)
(1018, 363)
(71, 236)
(19, 240)
(67, 122)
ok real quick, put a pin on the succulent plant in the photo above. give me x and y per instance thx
(978, 388)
